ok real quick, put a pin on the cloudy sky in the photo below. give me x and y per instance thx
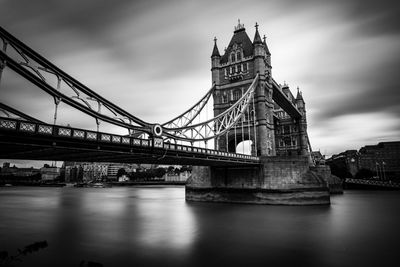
(152, 57)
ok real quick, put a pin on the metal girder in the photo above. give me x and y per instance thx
(9, 111)
(28, 140)
(51, 79)
(188, 116)
(218, 125)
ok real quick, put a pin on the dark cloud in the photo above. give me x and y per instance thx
(373, 17)
(376, 90)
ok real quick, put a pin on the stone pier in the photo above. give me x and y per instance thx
(278, 180)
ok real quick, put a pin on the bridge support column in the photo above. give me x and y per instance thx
(284, 181)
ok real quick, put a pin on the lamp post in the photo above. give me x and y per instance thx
(383, 170)
(377, 170)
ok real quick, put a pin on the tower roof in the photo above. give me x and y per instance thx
(266, 46)
(257, 38)
(215, 52)
(299, 95)
(240, 38)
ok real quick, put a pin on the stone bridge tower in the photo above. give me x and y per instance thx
(284, 173)
(232, 74)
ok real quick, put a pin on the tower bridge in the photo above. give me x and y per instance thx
(248, 105)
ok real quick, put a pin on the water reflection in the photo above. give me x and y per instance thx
(144, 226)
(164, 219)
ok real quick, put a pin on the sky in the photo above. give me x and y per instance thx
(152, 58)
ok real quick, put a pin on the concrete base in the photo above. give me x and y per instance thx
(312, 196)
(284, 181)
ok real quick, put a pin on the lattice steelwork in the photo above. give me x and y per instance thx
(64, 132)
(6, 124)
(27, 127)
(191, 114)
(79, 134)
(44, 129)
(218, 125)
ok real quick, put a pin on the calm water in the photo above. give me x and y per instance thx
(154, 226)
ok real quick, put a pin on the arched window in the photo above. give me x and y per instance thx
(224, 98)
(252, 115)
(226, 72)
(238, 56)
(233, 57)
(245, 67)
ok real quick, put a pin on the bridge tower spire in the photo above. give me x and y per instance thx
(215, 63)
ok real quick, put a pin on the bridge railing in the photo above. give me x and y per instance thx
(41, 129)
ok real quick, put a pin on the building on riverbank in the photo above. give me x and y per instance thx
(381, 161)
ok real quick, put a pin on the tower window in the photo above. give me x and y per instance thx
(245, 67)
(293, 142)
(238, 56)
(281, 143)
(230, 70)
(224, 98)
(236, 95)
(233, 57)
(226, 72)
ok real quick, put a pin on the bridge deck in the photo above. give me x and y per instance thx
(38, 141)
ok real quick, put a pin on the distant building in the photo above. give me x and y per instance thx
(381, 160)
(176, 176)
(73, 173)
(123, 178)
(318, 158)
(345, 162)
(6, 165)
(50, 173)
(94, 171)
(384, 158)
(17, 172)
(90, 171)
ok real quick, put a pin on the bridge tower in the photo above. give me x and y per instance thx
(232, 74)
(285, 174)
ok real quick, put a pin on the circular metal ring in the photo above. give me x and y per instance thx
(157, 130)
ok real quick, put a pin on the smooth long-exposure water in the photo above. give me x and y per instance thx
(154, 226)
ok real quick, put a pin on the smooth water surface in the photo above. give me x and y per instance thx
(154, 226)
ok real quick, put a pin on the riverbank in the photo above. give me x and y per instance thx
(77, 184)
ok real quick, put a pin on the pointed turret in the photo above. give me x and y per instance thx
(215, 63)
(266, 46)
(299, 95)
(301, 105)
(215, 52)
(257, 38)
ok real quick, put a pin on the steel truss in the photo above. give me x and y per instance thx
(219, 125)
(191, 114)
(37, 69)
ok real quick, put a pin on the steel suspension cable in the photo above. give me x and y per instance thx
(255, 130)
(249, 124)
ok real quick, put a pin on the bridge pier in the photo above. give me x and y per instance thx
(277, 181)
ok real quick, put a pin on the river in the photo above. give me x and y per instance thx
(154, 226)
